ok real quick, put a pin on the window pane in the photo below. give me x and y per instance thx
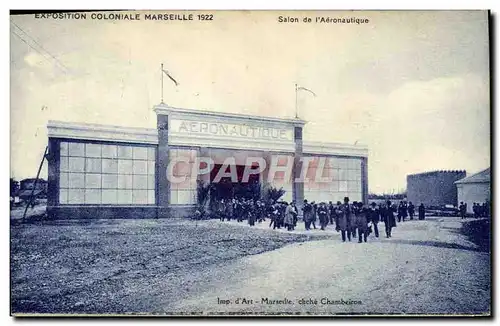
(92, 196)
(140, 197)
(63, 196)
(124, 196)
(63, 180)
(124, 181)
(109, 166)
(185, 197)
(110, 181)
(342, 174)
(76, 164)
(76, 180)
(140, 167)
(92, 181)
(342, 185)
(125, 152)
(140, 153)
(109, 151)
(63, 147)
(109, 196)
(351, 174)
(93, 165)
(335, 174)
(151, 197)
(76, 196)
(151, 167)
(125, 166)
(76, 149)
(151, 153)
(356, 164)
(64, 164)
(140, 182)
(92, 150)
(173, 196)
(351, 186)
(151, 182)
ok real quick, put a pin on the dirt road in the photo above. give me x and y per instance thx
(427, 267)
(184, 267)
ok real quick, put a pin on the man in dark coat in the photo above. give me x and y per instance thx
(314, 212)
(323, 215)
(352, 222)
(331, 212)
(389, 219)
(421, 212)
(337, 211)
(362, 219)
(307, 214)
(374, 217)
(411, 210)
(344, 221)
(461, 208)
(400, 211)
(250, 212)
(405, 211)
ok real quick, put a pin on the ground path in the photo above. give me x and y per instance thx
(426, 267)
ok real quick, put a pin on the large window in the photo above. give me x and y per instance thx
(183, 193)
(345, 176)
(106, 174)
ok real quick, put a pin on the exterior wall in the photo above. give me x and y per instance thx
(471, 193)
(433, 188)
(92, 176)
(101, 212)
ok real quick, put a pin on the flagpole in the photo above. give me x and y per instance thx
(161, 82)
(296, 103)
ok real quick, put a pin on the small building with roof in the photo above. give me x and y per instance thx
(475, 188)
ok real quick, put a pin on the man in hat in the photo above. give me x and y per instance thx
(323, 215)
(374, 216)
(345, 219)
(362, 218)
(389, 219)
(307, 213)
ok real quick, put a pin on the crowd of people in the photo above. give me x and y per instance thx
(350, 219)
(480, 210)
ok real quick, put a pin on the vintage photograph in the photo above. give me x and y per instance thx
(250, 163)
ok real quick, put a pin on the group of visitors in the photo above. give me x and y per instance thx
(350, 219)
(242, 209)
(479, 210)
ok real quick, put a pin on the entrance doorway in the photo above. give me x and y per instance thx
(226, 189)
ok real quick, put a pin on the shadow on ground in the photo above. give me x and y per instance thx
(435, 244)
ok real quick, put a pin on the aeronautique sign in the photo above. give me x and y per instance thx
(231, 130)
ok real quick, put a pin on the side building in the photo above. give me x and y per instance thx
(434, 188)
(474, 189)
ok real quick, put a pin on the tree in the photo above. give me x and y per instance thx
(203, 194)
(272, 194)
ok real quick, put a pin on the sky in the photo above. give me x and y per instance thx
(412, 86)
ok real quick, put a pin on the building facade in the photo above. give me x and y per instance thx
(98, 171)
(474, 189)
(434, 188)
